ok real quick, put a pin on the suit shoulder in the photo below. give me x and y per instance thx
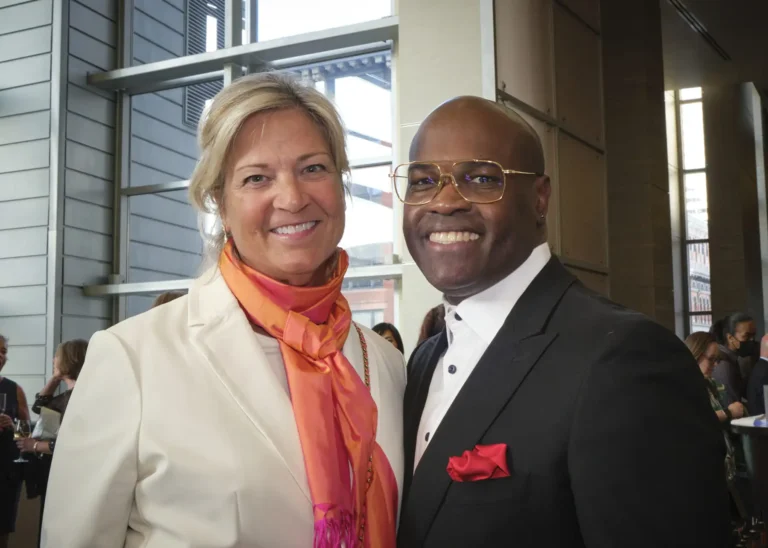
(597, 314)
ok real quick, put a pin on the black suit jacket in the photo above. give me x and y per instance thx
(757, 379)
(612, 442)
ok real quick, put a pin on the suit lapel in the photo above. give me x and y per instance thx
(223, 336)
(422, 367)
(494, 381)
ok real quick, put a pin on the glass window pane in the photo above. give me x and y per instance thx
(700, 322)
(369, 233)
(692, 127)
(361, 89)
(696, 209)
(699, 288)
(280, 18)
(372, 301)
(689, 94)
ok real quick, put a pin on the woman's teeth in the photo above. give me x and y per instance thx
(452, 237)
(293, 229)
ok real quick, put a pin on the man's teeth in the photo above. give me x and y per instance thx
(452, 237)
(293, 229)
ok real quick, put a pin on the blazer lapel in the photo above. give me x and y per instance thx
(494, 381)
(223, 336)
(424, 362)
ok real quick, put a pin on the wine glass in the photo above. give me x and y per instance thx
(22, 429)
(3, 399)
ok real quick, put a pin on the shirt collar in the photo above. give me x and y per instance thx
(486, 312)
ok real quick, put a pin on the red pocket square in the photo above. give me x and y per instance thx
(482, 463)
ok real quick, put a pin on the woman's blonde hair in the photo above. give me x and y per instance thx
(698, 343)
(219, 127)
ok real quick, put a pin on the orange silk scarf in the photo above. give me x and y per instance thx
(335, 413)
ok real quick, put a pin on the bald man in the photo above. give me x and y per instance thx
(758, 379)
(543, 415)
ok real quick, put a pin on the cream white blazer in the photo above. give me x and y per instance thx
(180, 435)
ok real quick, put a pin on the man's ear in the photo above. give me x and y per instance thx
(543, 191)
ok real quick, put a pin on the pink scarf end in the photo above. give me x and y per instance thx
(336, 532)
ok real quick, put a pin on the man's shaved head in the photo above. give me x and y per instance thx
(464, 247)
(502, 123)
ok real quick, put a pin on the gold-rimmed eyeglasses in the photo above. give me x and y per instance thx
(477, 181)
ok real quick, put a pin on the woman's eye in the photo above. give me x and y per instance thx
(255, 179)
(315, 168)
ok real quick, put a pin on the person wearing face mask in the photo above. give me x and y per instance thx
(735, 335)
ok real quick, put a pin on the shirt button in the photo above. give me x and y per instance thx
(451, 369)
(426, 438)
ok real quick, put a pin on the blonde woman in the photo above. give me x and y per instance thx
(252, 412)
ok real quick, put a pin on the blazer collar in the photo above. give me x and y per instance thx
(221, 332)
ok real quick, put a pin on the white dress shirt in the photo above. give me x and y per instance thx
(471, 326)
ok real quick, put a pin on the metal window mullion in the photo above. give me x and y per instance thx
(233, 36)
(121, 205)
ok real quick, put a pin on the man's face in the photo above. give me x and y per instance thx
(463, 248)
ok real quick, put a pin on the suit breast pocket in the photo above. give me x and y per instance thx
(491, 491)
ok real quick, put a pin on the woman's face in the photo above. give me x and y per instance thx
(3, 354)
(744, 333)
(708, 359)
(283, 197)
(56, 362)
(391, 338)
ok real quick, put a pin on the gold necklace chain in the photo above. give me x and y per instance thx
(369, 480)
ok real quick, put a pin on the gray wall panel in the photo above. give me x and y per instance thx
(23, 99)
(90, 161)
(24, 184)
(78, 74)
(157, 33)
(162, 234)
(20, 271)
(24, 213)
(91, 50)
(21, 156)
(23, 301)
(107, 8)
(26, 360)
(95, 25)
(178, 4)
(159, 208)
(26, 16)
(91, 105)
(163, 12)
(24, 242)
(79, 272)
(74, 304)
(25, 127)
(87, 216)
(145, 51)
(88, 189)
(87, 245)
(139, 275)
(90, 133)
(88, 179)
(25, 44)
(163, 134)
(143, 175)
(161, 259)
(22, 72)
(162, 159)
(24, 330)
(160, 108)
(137, 304)
(78, 327)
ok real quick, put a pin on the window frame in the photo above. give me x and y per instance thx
(687, 280)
